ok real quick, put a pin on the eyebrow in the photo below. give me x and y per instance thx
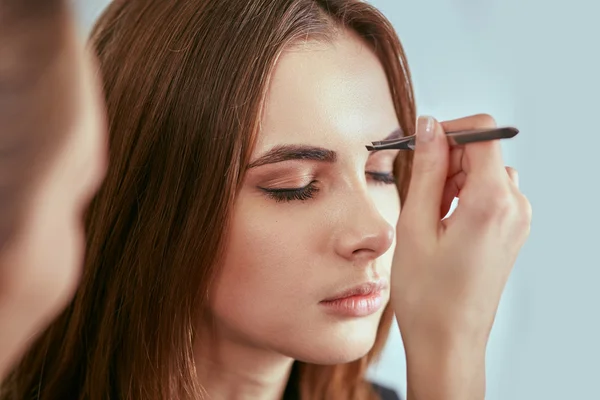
(301, 152)
(294, 152)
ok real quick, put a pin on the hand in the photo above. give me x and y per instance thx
(448, 274)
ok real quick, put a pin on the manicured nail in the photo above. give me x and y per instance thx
(425, 129)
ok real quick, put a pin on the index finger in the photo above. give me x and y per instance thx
(475, 158)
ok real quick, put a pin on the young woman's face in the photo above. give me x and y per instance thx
(317, 213)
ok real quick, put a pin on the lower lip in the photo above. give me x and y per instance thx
(355, 306)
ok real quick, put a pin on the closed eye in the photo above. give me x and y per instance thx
(386, 178)
(290, 194)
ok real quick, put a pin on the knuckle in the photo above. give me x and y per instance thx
(495, 204)
(502, 204)
(511, 210)
(525, 213)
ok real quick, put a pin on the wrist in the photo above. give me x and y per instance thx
(450, 368)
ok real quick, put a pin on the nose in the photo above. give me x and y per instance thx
(362, 231)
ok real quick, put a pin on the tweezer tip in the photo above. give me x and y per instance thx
(370, 148)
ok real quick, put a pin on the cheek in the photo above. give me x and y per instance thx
(263, 275)
(388, 203)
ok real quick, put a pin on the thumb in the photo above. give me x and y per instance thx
(429, 173)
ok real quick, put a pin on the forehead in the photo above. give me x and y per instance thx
(322, 93)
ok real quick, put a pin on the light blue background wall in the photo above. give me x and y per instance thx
(533, 64)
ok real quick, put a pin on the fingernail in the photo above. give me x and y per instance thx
(425, 131)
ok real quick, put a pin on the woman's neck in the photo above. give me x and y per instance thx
(231, 369)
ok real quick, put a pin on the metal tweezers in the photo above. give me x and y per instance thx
(454, 138)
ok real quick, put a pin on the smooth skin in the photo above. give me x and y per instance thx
(447, 275)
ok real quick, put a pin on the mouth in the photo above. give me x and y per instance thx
(359, 301)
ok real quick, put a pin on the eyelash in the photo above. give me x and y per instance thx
(284, 195)
(307, 192)
(383, 177)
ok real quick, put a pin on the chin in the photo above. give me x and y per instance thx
(339, 344)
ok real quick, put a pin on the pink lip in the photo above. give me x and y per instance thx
(359, 301)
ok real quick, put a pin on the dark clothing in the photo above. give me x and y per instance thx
(292, 391)
(386, 393)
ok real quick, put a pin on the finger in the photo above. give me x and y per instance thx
(477, 121)
(452, 191)
(456, 182)
(482, 159)
(458, 159)
(429, 174)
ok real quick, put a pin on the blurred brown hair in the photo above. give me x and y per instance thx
(185, 83)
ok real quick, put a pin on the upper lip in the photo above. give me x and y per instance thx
(363, 289)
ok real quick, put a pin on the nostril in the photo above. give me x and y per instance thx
(376, 244)
(365, 250)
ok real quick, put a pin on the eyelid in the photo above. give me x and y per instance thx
(381, 162)
(288, 181)
(382, 177)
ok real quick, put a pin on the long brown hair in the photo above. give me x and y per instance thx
(184, 83)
